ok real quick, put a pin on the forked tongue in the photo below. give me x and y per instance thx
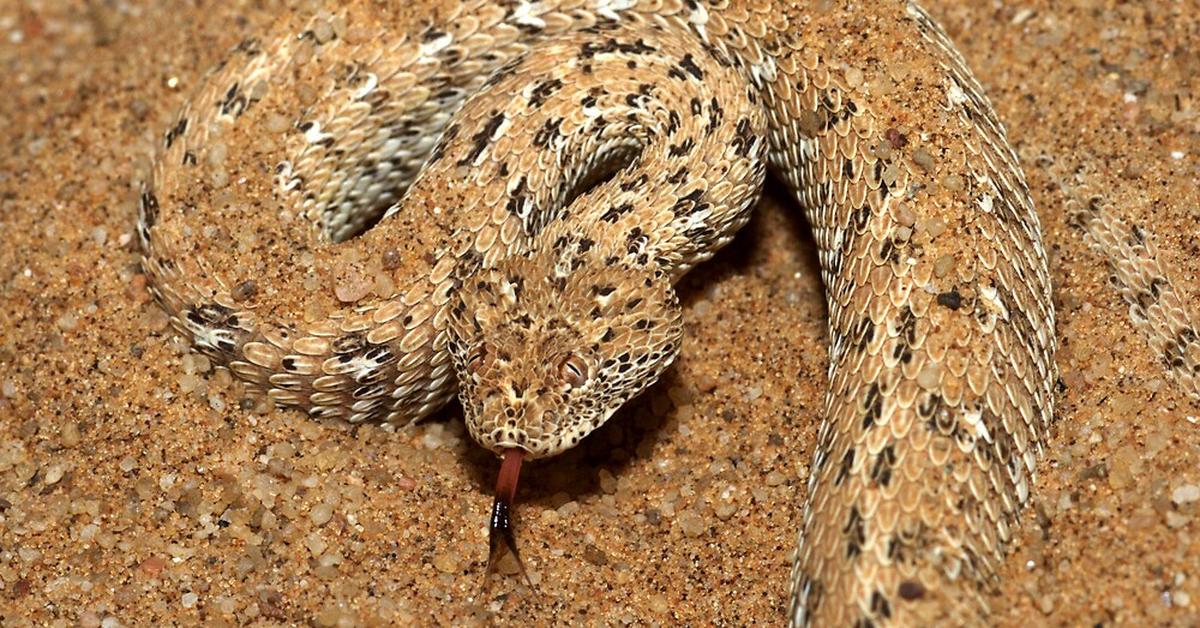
(501, 539)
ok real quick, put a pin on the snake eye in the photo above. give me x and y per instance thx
(574, 371)
(475, 359)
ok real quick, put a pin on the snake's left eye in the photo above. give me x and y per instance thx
(574, 371)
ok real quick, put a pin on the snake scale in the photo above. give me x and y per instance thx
(519, 185)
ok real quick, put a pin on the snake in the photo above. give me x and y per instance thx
(363, 216)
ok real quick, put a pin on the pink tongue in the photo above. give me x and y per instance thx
(510, 472)
(501, 540)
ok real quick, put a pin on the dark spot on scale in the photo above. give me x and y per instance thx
(880, 606)
(882, 471)
(856, 533)
(744, 141)
(688, 63)
(548, 133)
(681, 149)
(673, 122)
(614, 213)
(484, 137)
(716, 114)
(844, 470)
(629, 186)
(543, 91)
(234, 102)
(431, 34)
(640, 47)
(176, 131)
(504, 71)
(687, 202)
(149, 203)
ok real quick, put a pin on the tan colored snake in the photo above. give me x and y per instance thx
(537, 175)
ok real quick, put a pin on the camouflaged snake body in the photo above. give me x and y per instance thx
(542, 172)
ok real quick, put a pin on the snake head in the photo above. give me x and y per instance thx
(549, 343)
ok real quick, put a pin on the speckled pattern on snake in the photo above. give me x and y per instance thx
(514, 187)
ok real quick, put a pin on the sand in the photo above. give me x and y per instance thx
(136, 487)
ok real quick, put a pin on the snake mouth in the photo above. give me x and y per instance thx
(501, 537)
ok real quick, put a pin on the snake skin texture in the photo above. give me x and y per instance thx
(525, 181)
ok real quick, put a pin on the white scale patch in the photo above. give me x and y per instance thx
(991, 297)
(610, 9)
(361, 368)
(369, 86)
(986, 203)
(698, 19)
(284, 178)
(508, 292)
(430, 48)
(974, 417)
(764, 72)
(209, 337)
(314, 134)
(526, 14)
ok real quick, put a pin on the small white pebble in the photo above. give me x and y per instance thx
(88, 532)
(323, 31)
(54, 474)
(1185, 494)
(67, 321)
(445, 563)
(1022, 16)
(189, 599)
(321, 514)
(691, 524)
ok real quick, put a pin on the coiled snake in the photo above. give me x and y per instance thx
(505, 196)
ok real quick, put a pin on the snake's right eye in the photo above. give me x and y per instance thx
(475, 359)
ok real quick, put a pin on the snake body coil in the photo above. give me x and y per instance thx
(517, 185)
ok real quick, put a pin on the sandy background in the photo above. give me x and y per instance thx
(136, 489)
